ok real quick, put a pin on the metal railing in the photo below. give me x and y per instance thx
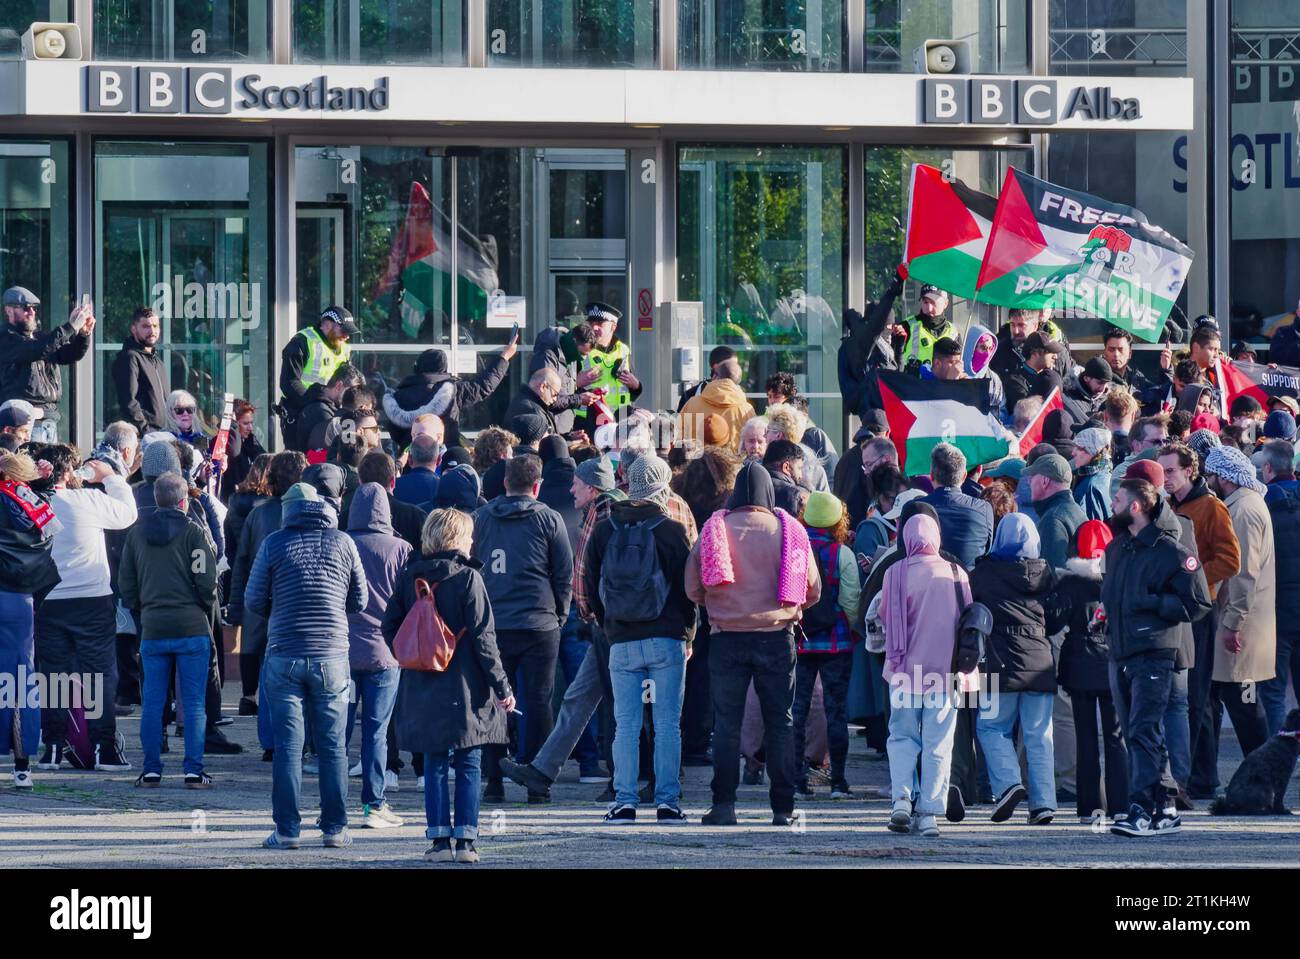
(1136, 46)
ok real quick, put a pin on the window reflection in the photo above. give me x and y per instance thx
(573, 33)
(761, 35)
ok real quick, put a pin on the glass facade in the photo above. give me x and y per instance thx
(17, 15)
(888, 172)
(761, 35)
(1147, 170)
(430, 32)
(995, 32)
(761, 242)
(218, 30)
(183, 227)
(36, 180)
(1264, 160)
(375, 228)
(573, 33)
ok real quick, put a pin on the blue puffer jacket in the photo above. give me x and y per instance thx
(1283, 499)
(965, 524)
(306, 579)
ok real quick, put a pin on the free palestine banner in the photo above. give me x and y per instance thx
(1080, 255)
(947, 230)
(924, 413)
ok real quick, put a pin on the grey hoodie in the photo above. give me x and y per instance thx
(527, 562)
(383, 556)
(996, 395)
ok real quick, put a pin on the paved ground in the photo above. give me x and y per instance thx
(89, 819)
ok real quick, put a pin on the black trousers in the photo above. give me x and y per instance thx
(130, 672)
(529, 657)
(79, 636)
(697, 705)
(768, 660)
(1141, 686)
(1088, 752)
(1246, 711)
(835, 670)
(250, 666)
(600, 646)
(1202, 711)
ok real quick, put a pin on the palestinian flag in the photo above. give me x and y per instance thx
(947, 228)
(1033, 434)
(419, 266)
(1235, 378)
(924, 413)
(1082, 256)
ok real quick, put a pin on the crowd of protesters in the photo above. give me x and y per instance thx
(713, 587)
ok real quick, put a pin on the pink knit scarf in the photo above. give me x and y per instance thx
(716, 568)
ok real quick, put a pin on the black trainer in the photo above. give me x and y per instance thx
(465, 851)
(621, 815)
(1164, 824)
(783, 818)
(539, 798)
(803, 790)
(494, 791)
(247, 707)
(1135, 823)
(1041, 817)
(109, 759)
(670, 815)
(1006, 805)
(956, 810)
(149, 780)
(198, 781)
(608, 796)
(526, 774)
(268, 755)
(52, 758)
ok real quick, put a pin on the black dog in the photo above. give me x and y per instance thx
(1259, 784)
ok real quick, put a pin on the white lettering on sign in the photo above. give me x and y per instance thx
(1033, 92)
(202, 93)
(991, 104)
(160, 90)
(945, 101)
(110, 89)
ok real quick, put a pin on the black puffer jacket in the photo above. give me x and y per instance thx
(1085, 659)
(1153, 585)
(140, 377)
(453, 709)
(554, 349)
(1021, 594)
(416, 394)
(261, 523)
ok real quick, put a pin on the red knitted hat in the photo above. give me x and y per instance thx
(1148, 470)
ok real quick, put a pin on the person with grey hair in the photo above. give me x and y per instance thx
(965, 523)
(168, 578)
(1246, 651)
(120, 445)
(1283, 501)
(419, 484)
(528, 571)
(641, 604)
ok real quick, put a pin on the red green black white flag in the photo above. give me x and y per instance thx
(947, 229)
(925, 413)
(1080, 255)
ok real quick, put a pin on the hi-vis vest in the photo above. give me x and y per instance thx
(322, 359)
(617, 394)
(920, 341)
(1052, 331)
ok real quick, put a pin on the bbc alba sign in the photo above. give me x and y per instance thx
(1019, 102)
(215, 90)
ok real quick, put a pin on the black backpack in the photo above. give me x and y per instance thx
(633, 587)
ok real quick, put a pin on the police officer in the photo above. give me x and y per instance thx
(29, 362)
(927, 328)
(312, 355)
(612, 358)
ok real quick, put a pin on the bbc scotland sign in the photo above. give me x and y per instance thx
(216, 90)
(1019, 102)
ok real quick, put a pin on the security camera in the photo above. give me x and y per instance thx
(942, 57)
(52, 41)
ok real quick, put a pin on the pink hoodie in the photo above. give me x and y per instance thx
(919, 608)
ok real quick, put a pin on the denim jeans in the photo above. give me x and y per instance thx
(658, 667)
(574, 642)
(921, 728)
(1178, 735)
(768, 660)
(1272, 692)
(297, 689)
(1141, 686)
(265, 735)
(437, 794)
(994, 728)
(189, 656)
(377, 691)
(835, 670)
(17, 652)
